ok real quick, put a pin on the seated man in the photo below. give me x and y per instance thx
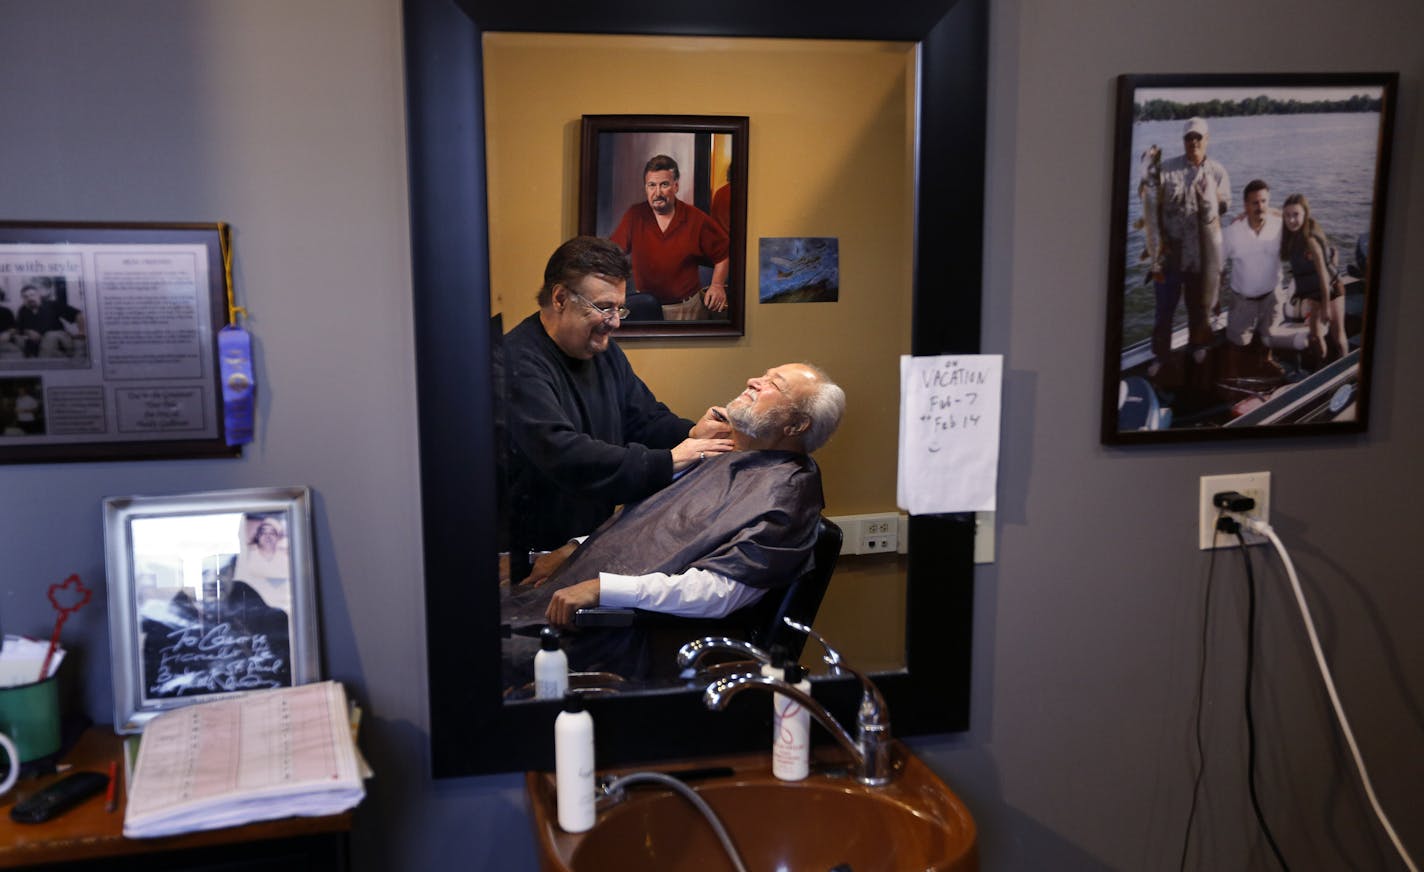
(718, 538)
(47, 328)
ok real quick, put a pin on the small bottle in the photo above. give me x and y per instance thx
(551, 667)
(573, 766)
(791, 728)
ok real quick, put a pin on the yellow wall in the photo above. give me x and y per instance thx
(830, 155)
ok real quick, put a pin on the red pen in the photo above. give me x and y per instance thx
(111, 801)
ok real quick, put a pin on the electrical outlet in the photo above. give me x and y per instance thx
(1256, 485)
(879, 534)
(870, 534)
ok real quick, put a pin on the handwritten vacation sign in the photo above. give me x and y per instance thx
(949, 432)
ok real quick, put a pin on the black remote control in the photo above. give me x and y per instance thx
(59, 797)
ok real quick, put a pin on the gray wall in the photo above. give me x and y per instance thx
(285, 119)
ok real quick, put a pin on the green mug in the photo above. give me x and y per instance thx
(29, 716)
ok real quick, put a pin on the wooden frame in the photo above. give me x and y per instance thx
(1231, 362)
(711, 155)
(210, 595)
(459, 486)
(108, 341)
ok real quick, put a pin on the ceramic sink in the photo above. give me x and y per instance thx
(827, 822)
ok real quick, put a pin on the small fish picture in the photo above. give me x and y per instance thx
(799, 269)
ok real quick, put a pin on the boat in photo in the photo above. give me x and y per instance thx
(1232, 387)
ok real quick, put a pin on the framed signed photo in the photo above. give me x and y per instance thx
(210, 595)
(108, 341)
(1247, 221)
(672, 191)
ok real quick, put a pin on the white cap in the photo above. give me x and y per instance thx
(1195, 125)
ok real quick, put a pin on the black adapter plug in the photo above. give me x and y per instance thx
(1231, 501)
(1228, 525)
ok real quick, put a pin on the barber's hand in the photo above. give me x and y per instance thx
(689, 451)
(545, 565)
(571, 599)
(712, 425)
(715, 298)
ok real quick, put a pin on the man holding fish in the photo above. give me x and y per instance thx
(1194, 191)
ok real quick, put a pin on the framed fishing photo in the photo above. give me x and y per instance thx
(210, 595)
(1247, 228)
(671, 190)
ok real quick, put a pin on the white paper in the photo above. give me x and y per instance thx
(21, 660)
(949, 433)
(264, 755)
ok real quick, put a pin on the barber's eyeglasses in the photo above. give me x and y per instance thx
(607, 313)
(1193, 137)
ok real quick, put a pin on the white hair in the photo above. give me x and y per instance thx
(824, 407)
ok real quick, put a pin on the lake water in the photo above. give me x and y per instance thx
(1328, 158)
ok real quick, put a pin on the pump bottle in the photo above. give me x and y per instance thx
(791, 726)
(775, 669)
(551, 667)
(573, 766)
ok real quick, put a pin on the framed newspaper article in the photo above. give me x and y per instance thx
(108, 341)
(210, 595)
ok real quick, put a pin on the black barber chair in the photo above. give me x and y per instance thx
(759, 623)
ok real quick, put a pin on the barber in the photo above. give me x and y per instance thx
(585, 433)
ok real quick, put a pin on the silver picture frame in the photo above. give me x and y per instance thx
(211, 595)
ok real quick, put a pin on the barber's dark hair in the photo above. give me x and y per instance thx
(659, 162)
(1253, 186)
(824, 408)
(583, 256)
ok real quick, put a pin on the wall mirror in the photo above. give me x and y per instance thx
(456, 254)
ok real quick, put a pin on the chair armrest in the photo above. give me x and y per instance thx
(605, 617)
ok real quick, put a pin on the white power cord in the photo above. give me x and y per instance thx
(1265, 530)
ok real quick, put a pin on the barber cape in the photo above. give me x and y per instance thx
(747, 515)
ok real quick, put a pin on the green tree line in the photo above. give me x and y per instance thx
(1170, 110)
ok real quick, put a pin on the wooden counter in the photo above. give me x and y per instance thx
(88, 836)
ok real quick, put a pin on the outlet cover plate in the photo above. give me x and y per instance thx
(1256, 485)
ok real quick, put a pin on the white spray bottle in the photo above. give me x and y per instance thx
(791, 729)
(551, 667)
(573, 766)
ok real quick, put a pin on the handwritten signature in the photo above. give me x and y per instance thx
(217, 659)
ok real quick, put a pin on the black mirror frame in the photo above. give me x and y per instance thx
(449, 248)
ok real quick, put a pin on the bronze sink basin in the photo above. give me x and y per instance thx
(824, 823)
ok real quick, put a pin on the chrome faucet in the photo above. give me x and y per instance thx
(873, 712)
(871, 746)
(689, 654)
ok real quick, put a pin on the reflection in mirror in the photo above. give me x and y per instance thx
(845, 174)
(730, 537)
(671, 192)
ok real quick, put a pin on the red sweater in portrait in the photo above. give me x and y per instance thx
(665, 261)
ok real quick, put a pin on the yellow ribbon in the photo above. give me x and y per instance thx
(225, 243)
